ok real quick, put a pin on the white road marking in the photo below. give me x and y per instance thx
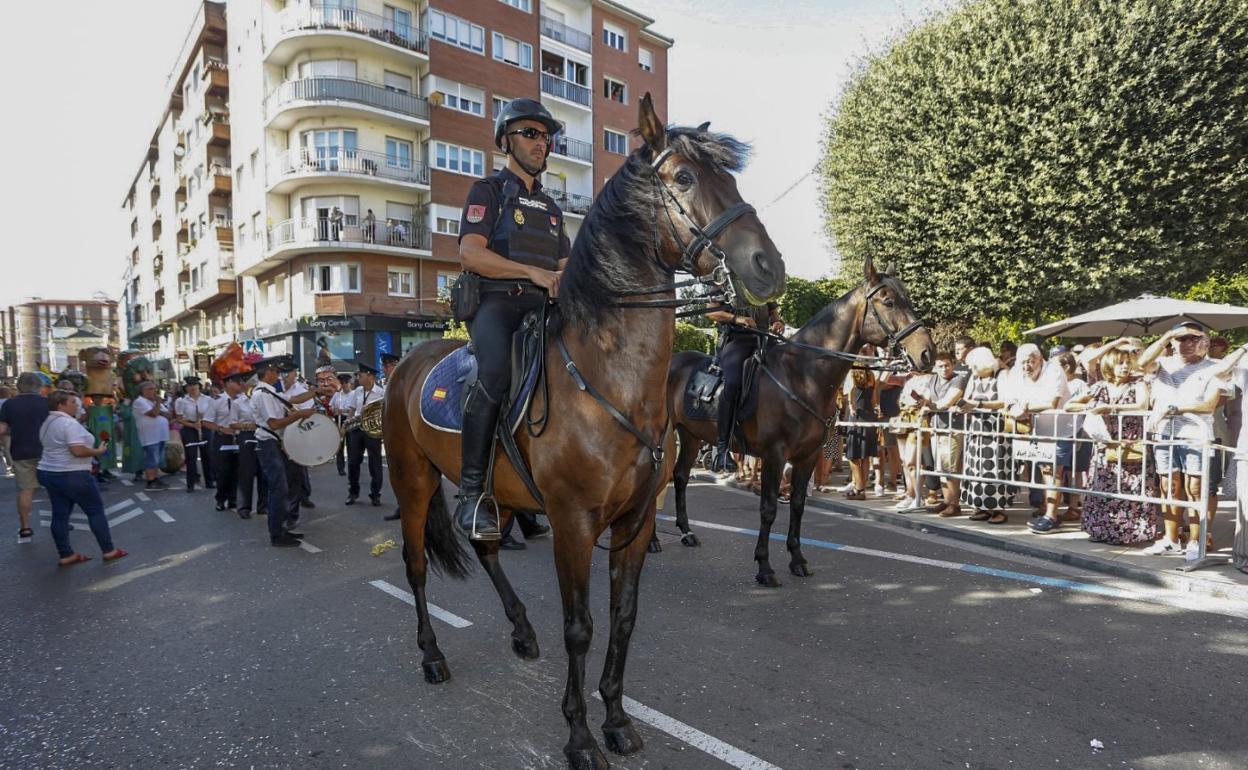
(163, 516)
(305, 545)
(125, 517)
(143, 497)
(724, 752)
(126, 482)
(124, 504)
(449, 618)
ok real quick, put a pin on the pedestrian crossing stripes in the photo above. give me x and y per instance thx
(449, 618)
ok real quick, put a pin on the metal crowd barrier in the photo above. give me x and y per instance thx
(1039, 447)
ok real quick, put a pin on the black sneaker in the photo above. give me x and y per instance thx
(157, 484)
(243, 513)
(284, 541)
(375, 501)
(534, 531)
(220, 507)
(509, 543)
(1044, 525)
(351, 500)
(306, 503)
(294, 534)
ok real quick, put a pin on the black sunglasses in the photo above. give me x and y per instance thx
(531, 133)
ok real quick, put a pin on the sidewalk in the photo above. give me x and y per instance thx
(1069, 546)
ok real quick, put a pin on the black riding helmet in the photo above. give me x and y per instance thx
(525, 109)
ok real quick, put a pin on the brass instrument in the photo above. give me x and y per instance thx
(368, 421)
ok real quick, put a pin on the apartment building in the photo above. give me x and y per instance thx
(49, 333)
(353, 131)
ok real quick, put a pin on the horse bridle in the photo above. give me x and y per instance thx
(894, 337)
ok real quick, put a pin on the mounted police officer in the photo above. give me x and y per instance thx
(737, 327)
(512, 238)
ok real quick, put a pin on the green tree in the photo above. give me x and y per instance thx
(1227, 289)
(1055, 155)
(803, 297)
(690, 337)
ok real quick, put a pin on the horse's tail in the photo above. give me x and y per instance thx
(442, 544)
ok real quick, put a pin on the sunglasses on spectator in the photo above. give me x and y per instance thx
(531, 133)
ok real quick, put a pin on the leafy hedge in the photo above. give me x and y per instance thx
(1050, 155)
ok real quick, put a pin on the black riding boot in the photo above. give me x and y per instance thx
(477, 518)
(723, 462)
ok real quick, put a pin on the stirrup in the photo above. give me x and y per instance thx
(472, 532)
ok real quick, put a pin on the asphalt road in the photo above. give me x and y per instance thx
(206, 648)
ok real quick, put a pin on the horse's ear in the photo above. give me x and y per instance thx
(891, 270)
(705, 126)
(649, 125)
(868, 272)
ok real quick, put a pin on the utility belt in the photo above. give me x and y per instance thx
(470, 288)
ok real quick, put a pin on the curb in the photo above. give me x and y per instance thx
(1152, 577)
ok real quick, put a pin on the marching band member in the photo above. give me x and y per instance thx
(236, 450)
(195, 411)
(358, 441)
(338, 410)
(296, 392)
(273, 413)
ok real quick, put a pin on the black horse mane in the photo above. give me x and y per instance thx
(614, 250)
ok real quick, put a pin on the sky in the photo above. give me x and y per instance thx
(765, 72)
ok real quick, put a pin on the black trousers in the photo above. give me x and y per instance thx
(737, 347)
(227, 471)
(249, 477)
(340, 457)
(491, 330)
(210, 471)
(359, 442)
(296, 479)
(198, 456)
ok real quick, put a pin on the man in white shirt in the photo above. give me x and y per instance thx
(224, 449)
(240, 419)
(151, 421)
(359, 442)
(195, 411)
(273, 413)
(338, 410)
(1185, 393)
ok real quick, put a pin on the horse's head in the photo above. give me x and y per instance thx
(705, 228)
(889, 320)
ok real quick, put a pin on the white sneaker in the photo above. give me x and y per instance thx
(847, 488)
(1164, 547)
(1192, 552)
(909, 504)
(879, 490)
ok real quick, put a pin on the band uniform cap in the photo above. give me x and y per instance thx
(238, 376)
(344, 378)
(389, 358)
(283, 363)
(366, 369)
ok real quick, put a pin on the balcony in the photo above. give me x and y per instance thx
(293, 167)
(297, 236)
(571, 203)
(219, 129)
(562, 33)
(156, 228)
(217, 77)
(575, 149)
(354, 30)
(321, 97)
(221, 184)
(565, 89)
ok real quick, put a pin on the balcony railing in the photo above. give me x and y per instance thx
(565, 89)
(346, 90)
(323, 232)
(570, 202)
(325, 16)
(573, 148)
(557, 30)
(356, 162)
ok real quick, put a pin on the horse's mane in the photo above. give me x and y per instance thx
(614, 249)
(830, 313)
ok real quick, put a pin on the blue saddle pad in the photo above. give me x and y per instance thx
(442, 397)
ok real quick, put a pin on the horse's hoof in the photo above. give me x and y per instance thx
(800, 569)
(436, 672)
(654, 547)
(587, 759)
(690, 540)
(768, 580)
(623, 740)
(526, 648)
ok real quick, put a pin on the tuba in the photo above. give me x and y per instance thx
(368, 421)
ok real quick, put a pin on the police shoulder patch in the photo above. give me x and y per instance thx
(476, 213)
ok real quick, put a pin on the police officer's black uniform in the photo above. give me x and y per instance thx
(739, 344)
(524, 226)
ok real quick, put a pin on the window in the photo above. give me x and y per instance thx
(327, 68)
(255, 155)
(242, 234)
(398, 21)
(615, 90)
(645, 58)
(400, 282)
(238, 179)
(512, 51)
(445, 282)
(397, 82)
(446, 219)
(614, 37)
(461, 160)
(497, 105)
(522, 5)
(460, 97)
(398, 153)
(616, 142)
(334, 278)
(455, 31)
(326, 149)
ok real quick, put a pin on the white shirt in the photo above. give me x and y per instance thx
(338, 401)
(264, 400)
(58, 433)
(297, 389)
(237, 409)
(360, 398)
(199, 408)
(1239, 376)
(152, 430)
(1179, 384)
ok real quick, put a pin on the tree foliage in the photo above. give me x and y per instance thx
(1054, 155)
(803, 298)
(690, 337)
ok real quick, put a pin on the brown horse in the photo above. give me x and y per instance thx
(797, 386)
(673, 204)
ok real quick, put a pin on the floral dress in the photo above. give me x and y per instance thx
(986, 456)
(1119, 521)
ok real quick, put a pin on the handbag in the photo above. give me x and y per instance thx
(1020, 425)
(1126, 452)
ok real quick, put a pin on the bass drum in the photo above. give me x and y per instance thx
(312, 441)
